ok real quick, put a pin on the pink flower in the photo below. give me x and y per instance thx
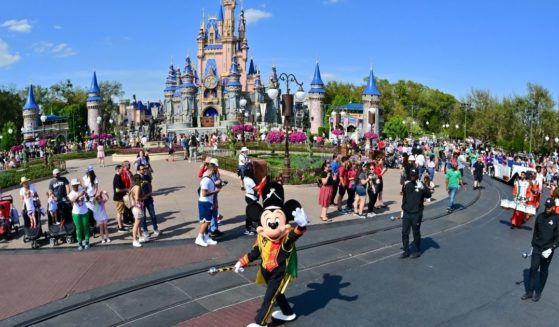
(338, 132)
(297, 137)
(275, 137)
(371, 135)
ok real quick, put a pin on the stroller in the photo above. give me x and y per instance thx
(9, 217)
(32, 234)
(66, 229)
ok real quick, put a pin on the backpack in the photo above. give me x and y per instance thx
(127, 200)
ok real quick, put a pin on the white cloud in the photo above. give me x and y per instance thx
(22, 26)
(60, 50)
(57, 27)
(6, 58)
(253, 15)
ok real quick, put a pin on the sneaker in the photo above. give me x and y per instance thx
(362, 216)
(86, 246)
(108, 240)
(122, 230)
(219, 217)
(404, 255)
(136, 244)
(415, 255)
(80, 247)
(526, 296)
(371, 215)
(144, 239)
(156, 233)
(217, 233)
(145, 233)
(200, 241)
(209, 240)
(536, 297)
(57, 223)
(103, 241)
(249, 232)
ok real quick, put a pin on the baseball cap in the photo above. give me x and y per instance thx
(214, 162)
(55, 171)
(75, 181)
(549, 203)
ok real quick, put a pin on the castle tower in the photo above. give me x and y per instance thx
(188, 93)
(170, 87)
(122, 115)
(93, 105)
(250, 77)
(371, 99)
(259, 99)
(233, 91)
(30, 114)
(316, 101)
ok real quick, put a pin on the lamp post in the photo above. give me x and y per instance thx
(242, 103)
(466, 106)
(372, 112)
(287, 106)
(43, 120)
(99, 119)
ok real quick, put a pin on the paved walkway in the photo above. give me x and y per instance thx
(46, 275)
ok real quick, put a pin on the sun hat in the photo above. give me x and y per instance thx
(75, 181)
(24, 180)
(214, 162)
(244, 149)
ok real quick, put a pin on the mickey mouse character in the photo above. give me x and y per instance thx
(275, 244)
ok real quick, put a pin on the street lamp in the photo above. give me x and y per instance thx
(372, 112)
(43, 120)
(242, 103)
(99, 119)
(287, 106)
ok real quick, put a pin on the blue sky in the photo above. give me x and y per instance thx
(453, 46)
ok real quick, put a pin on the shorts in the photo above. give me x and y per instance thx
(120, 207)
(360, 190)
(137, 213)
(205, 211)
(341, 190)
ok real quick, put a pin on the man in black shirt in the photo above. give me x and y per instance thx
(544, 241)
(59, 186)
(119, 190)
(414, 194)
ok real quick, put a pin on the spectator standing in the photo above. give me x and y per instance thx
(360, 190)
(334, 167)
(119, 190)
(325, 194)
(478, 169)
(380, 170)
(251, 196)
(343, 183)
(137, 200)
(80, 214)
(214, 224)
(147, 191)
(453, 182)
(206, 206)
(461, 163)
(544, 241)
(420, 162)
(372, 190)
(59, 186)
(351, 177)
(100, 215)
(414, 195)
(184, 144)
(193, 148)
(243, 161)
(101, 154)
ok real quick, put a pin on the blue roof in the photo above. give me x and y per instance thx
(30, 103)
(234, 69)
(351, 107)
(93, 98)
(317, 80)
(94, 88)
(251, 70)
(187, 84)
(140, 105)
(212, 22)
(317, 90)
(55, 118)
(170, 88)
(177, 93)
(371, 88)
(233, 83)
(210, 64)
(220, 13)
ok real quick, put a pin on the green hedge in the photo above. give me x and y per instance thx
(12, 177)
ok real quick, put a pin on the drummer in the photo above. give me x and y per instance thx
(534, 193)
(521, 194)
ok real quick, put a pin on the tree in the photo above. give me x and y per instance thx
(8, 139)
(395, 128)
(11, 105)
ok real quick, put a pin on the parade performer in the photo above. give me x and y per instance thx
(534, 194)
(275, 244)
(520, 192)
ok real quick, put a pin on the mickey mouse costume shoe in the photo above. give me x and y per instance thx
(278, 315)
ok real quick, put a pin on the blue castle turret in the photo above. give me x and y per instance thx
(316, 100)
(371, 110)
(30, 114)
(93, 104)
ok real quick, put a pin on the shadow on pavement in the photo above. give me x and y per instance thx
(320, 295)
(167, 190)
(508, 223)
(428, 243)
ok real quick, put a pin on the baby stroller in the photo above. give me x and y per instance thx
(65, 229)
(9, 217)
(32, 234)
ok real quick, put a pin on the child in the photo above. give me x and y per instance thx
(53, 208)
(429, 184)
(100, 215)
(30, 207)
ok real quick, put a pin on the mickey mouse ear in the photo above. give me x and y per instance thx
(289, 207)
(254, 211)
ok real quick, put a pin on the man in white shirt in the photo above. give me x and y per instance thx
(206, 206)
(420, 162)
(243, 160)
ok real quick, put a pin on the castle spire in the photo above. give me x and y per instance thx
(94, 88)
(317, 80)
(30, 104)
(251, 70)
(220, 12)
(371, 88)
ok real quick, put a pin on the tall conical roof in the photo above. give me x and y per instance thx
(94, 88)
(251, 70)
(220, 13)
(371, 88)
(317, 80)
(30, 104)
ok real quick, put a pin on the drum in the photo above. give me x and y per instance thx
(521, 207)
(531, 210)
(505, 204)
